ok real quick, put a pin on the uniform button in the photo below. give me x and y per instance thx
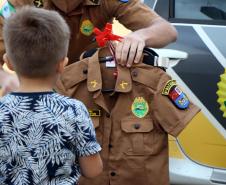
(85, 71)
(137, 126)
(110, 146)
(108, 115)
(113, 174)
(134, 73)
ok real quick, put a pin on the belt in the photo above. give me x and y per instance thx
(150, 58)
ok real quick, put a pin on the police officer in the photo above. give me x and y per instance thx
(148, 28)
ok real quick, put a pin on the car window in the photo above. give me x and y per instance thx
(200, 9)
(150, 3)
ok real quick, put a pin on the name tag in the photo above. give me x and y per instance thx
(94, 113)
(110, 63)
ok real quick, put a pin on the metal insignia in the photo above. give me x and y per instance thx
(140, 107)
(94, 113)
(38, 3)
(87, 27)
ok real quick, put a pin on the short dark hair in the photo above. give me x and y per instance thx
(35, 40)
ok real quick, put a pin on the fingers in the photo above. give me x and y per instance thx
(129, 51)
(132, 53)
(139, 52)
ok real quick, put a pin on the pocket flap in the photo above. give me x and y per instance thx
(136, 125)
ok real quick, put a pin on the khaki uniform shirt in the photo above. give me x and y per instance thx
(91, 13)
(134, 144)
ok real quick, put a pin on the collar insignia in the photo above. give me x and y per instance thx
(123, 85)
(93, 83)
(38, 3)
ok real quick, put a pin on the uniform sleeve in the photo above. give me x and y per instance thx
(172, 119)
(133, 15)
(85, 136)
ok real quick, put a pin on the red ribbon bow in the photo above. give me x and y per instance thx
(102, 37)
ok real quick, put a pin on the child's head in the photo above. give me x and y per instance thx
(36, 40)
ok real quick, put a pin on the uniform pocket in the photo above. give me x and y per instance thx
(138, 135)
(96, 124)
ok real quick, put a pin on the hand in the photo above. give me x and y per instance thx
(129, 50)
(8, 82)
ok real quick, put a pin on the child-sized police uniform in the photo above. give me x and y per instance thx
(83, 15)
(133, 110)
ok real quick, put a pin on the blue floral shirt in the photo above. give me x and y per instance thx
(41, 137)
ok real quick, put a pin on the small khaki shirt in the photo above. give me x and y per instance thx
(131, 116)
(89, 14)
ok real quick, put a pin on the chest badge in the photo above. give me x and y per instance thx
(140, 107)
(6, 9)
(87, 27)
(38, 3)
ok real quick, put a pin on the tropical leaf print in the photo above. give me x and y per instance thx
(41, 136)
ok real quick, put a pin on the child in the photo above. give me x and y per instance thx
(45, 138)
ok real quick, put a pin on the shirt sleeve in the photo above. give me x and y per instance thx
(133, 14)
(172, 119)
(85, 136)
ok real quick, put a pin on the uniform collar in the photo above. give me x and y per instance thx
(94, 78)
(92, 2)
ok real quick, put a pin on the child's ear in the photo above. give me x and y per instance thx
(62, 64)
(7, 62)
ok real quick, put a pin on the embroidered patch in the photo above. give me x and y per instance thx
(168, 86)
(6, 9)
(87, 27)
(179, 98)
(176, 95)
(94, 113)
(140, 107)
(38, 3)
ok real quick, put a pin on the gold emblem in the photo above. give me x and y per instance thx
(140, 107)
(94, 113)
(87, 27)
(94, 83)
(123, 84)
(38, 3)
